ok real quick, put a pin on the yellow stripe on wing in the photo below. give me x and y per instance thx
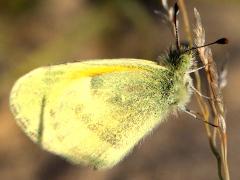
(96, 71)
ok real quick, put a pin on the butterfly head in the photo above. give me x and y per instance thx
(178, 59)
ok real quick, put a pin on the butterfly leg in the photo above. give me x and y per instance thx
(196, 116)
(200, 94)
(197, 69)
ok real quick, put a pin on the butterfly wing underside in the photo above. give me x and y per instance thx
(90, 112)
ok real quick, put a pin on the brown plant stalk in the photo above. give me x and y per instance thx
(216, 102)
(214, 108)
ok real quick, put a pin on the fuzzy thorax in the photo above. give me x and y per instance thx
(180, 61)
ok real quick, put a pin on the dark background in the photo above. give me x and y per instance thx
(44, 32)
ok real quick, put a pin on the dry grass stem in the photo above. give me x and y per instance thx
(213, 111)
(217, 107)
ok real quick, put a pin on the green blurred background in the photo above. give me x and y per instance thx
(34, 33)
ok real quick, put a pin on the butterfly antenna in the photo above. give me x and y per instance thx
(176, 11)
(219, 41)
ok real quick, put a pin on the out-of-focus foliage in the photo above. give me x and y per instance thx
(17, 7)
